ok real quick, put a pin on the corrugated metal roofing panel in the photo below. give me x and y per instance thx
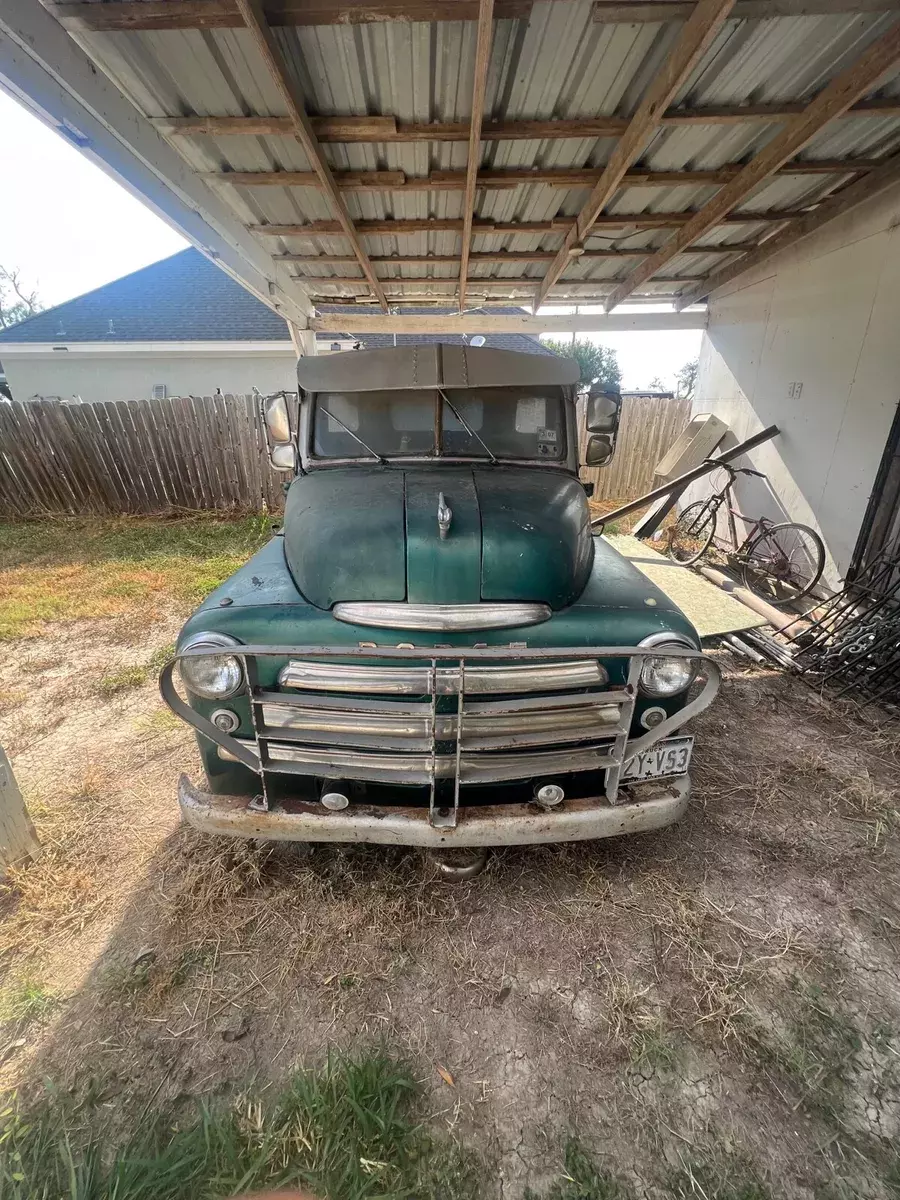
(559, 63)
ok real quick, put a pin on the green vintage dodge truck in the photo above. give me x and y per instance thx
(436, 651)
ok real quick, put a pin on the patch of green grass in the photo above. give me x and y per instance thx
(723, 1177)
(351, 1130)
(654, 1047)
(133, 677)
(161, 720)
(121, 681)
(816, 1047)
(582, 1179)
(72, 568)
(25, 999)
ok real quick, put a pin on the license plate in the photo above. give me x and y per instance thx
(671, 757)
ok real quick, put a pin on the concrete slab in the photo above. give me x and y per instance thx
(711, 611)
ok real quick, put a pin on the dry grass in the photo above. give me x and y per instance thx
(71, 569)
(62, 889)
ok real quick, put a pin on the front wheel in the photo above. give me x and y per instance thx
(784, 563)
(690, 536)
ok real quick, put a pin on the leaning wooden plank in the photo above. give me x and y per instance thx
(683, 481)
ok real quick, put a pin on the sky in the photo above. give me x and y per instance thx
(68, 228)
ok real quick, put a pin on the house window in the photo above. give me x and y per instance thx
(159, 391)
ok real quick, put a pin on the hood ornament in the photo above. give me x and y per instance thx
(444, 515)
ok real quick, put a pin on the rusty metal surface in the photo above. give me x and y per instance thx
(500, 825)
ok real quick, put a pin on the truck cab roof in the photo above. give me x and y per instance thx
(408, 367)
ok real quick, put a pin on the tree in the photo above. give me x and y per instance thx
(16, 303)
(596, 361)
(686, 380)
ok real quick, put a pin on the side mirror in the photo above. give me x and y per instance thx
(599, 450)
(284, 457)
(278, 421)
(603, 409)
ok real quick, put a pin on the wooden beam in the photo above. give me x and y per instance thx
(477, 282)
(829, 210)
(499, 256)
(431, 323)
(483, 42)
(698, 33)
(126, 15)
(456, 181)
(254, 18)
(652, 11)
(49, 73)
(836, 97)
(397, 228)
(388, 129)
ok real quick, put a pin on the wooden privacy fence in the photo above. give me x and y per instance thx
(209, 452)
(649, 426)
(133, 456)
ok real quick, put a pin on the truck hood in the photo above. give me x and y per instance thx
(372, 533)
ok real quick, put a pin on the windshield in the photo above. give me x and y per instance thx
(520, 422)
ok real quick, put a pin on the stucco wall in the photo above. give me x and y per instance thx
(132, 376)
(824, 315)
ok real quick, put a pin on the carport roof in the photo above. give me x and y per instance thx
(619, 148)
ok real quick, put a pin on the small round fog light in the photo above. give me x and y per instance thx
(548, 795)
(651, 717)
(335, 800)
(226, 720)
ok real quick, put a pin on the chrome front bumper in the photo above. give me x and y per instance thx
(497, 825)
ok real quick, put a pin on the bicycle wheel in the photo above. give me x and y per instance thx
(783, 563)
(690, 536)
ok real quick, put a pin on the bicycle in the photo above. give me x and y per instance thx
(779, 563)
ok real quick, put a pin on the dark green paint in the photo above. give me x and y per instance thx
(448, 568)
(536, 534)
(343, 533)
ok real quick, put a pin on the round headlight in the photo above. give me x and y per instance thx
(213, 676)
(665, 676)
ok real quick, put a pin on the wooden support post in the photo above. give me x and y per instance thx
(482, 62)
(18, 840)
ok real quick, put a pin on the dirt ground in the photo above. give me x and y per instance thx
(712, 1010)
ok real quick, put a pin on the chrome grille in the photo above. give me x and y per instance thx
(442, 718)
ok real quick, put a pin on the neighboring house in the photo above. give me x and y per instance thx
(178, 327)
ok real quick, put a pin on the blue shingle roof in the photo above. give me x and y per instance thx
(186, 298)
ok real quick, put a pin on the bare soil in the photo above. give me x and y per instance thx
(713, 1009)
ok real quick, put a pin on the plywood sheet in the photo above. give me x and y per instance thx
(711, 611)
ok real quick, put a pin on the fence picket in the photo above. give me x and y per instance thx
(210, 452)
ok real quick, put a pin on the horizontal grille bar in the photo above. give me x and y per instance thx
(339, 763)
(484, 729)
(443, 681)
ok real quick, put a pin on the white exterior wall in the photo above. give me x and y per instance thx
(131, 375)
(824, 314)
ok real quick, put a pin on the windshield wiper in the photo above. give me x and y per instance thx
(470, 432)
(365, 445)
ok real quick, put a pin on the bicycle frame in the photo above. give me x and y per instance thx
(726, 496)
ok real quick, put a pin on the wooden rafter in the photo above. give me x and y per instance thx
(389, 129)
(399, 323)
(569, 286)
(125, 15)
(696, 36)
(254, 18)
(832, 208)
(456, 181)
(630, 221)
(836, 97)
(497, 256)
(483, 42)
